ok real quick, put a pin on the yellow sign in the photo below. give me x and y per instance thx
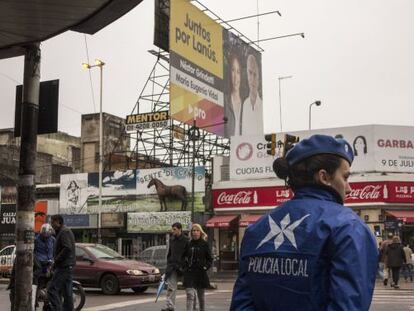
(147, 117)
(196, 37)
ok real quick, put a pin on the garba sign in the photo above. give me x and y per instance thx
(150, 120)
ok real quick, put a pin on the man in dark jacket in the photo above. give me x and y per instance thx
(64, 261)
(395, 259)
(175, 263)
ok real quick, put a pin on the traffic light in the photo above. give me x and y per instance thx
(271, 145)
(290, 141)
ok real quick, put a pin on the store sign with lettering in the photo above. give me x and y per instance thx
(250, 197)
(362, 192)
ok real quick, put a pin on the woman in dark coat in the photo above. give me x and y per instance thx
(198, 261)
(395, 259)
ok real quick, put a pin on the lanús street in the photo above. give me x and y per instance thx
(384, 299)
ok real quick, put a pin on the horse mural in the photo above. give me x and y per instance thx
(172, 192)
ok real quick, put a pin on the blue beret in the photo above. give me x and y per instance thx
(319, 144)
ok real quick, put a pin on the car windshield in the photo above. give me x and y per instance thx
(104, 252)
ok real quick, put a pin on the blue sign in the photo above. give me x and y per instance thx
(76, 220)
(390, 224)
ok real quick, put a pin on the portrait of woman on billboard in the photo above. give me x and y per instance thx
(242, 88)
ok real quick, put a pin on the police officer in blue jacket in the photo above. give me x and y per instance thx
(311, 253)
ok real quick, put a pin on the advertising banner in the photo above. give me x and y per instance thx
(7, 218)
(73, 193)
(40, 214)
(76, 221)
(394, 148)
(377, 148)
(157, 222)
(113, 220)
(143, 121)
(362, 192)
(252, 197)
(249, 159)
(148, 179)
(212, 74)
(146, 190)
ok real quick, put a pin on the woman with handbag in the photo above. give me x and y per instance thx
(198, 261)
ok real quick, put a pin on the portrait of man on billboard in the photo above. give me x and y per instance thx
(252, 115)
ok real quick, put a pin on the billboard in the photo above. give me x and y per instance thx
(7, 218)
(257, 198)
(377, 148)
(142, 190)
(157, 222)
(212, 74)
(249, 159)
(144, 121)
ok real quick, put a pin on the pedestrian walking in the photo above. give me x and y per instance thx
(408, 266)
(311, 253)
(380, 263)
(64, 261)
(198, 261)
(395, 259)
(383, 256)
(175, 263)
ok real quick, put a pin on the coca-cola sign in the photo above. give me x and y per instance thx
(255, 197)
(370, 192)
(239, 198)
(269, 197)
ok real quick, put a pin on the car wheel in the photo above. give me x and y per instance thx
(139, 290)
(110, 284)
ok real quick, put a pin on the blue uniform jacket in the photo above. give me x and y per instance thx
(311, 253)
(44, 249)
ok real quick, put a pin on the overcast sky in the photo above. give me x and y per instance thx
(357, 58)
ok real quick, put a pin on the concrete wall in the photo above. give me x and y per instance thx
(114, 140)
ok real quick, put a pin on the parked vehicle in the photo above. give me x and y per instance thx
(7, 256)
(101, 267)
(156, 256)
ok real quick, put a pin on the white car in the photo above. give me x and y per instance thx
(7, 256)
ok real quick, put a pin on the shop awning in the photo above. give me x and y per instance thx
(248, 220)
(223, 221)
(406, 216)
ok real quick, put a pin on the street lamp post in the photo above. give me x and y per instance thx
(100, 64)
(317, 103)
(280, 100)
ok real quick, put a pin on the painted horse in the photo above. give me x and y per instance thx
(172, 192)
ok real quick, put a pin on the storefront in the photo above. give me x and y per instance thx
(83, 226)
(113, 232)
(147, 229)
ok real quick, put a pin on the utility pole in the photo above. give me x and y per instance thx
(194, 135)
(26, 180)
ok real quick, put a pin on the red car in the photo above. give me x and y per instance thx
(101, 267)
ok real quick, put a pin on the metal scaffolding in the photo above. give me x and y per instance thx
(170, 146)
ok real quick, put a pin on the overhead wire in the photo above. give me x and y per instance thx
(90, 74)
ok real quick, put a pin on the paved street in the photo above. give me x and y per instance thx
(385, 299)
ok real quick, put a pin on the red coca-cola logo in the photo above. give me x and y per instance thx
(369, 192)
(239, 198)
